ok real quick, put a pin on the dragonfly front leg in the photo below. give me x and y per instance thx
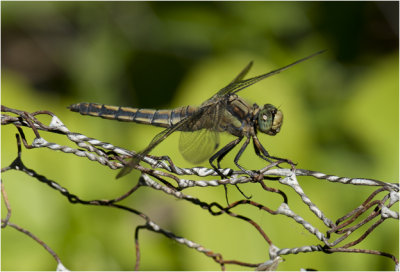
(263, 153)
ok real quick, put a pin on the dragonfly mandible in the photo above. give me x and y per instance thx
(200, 126)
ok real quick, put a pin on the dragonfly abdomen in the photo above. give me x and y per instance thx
(160, 118)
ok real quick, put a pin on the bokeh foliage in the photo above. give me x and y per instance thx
(341, 117)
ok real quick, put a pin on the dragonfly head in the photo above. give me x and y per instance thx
(270, 119)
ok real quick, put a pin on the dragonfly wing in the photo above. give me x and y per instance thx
(248, 82)
(238, 78)
(183, 125)
(128, 167)
(238, 84)
(198, 146)
(154, 142)
(243, 73)
(139, 156)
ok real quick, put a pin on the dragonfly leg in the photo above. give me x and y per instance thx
(222, 153)
(219, 156)
(239, 154)
(236, 160)
(263, 153)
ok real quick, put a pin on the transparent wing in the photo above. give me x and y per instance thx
(238, 84)
(139, 156)
(197, 119)
(243, 73)
(237, 79)
(208, 116)
(198, 146)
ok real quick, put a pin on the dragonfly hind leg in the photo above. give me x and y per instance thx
(221, 154)
(239, 154)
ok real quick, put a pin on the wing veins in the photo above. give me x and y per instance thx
(236, 86)
(162, 136)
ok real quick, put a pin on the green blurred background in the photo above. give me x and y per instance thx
(341, 117)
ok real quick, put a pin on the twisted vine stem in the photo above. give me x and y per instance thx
(162, 169)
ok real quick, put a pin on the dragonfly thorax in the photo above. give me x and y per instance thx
(270, 120)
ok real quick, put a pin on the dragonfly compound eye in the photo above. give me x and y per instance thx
(270, 120)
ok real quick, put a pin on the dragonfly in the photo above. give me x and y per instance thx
(200, 126)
